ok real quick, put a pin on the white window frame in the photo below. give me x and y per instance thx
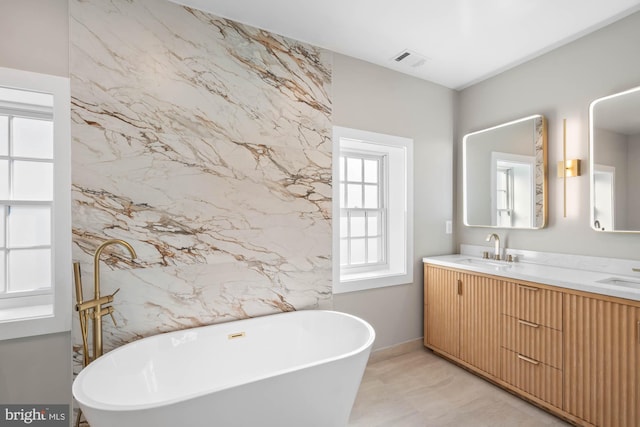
(398, 174)
(37, 313)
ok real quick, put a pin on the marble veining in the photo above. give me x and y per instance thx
(206, 144)
(540, 188)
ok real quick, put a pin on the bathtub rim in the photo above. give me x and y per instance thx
(98, 405)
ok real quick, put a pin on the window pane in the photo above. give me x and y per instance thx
(342, 201)
(29, 226)
(343, 226)
(357, 224)
(4, 180)
(373, 246)
(32, 181)
(341, 167)
(2, 227)
(344, 252)
(504, 220)
(4, 136)
(32, 138)
(373, 224)
(354, 196)
(502, 179)
(357, 251)
(371, 171)
(354, 169)
(502, 200)
(371, 196)
(29, 269)
(3, 277)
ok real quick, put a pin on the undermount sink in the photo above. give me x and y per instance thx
(620, 282)
(484, 262)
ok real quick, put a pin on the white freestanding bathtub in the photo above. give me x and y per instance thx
(296, 369)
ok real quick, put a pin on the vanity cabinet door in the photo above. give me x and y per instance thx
(602, 361)
(441, 310)
(480, 322)
(462, 317)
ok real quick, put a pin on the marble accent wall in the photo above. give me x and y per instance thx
(206, 144)
(540, 144)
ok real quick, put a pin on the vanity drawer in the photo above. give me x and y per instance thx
(533, 304)
(532, 376)
(532, 340)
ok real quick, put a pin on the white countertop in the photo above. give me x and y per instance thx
(564, 277)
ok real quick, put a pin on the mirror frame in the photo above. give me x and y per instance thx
(592, 163)
(540, 170)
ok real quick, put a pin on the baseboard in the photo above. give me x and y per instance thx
(396, 350)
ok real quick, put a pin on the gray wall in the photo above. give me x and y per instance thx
(35, 369)
(35, 36)
(612, 150)
(372, 98)
(560, 84)
(633, 175)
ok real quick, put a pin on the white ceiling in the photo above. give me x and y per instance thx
(464, 41)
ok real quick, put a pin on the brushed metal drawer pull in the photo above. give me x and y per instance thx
(527, 359)
(459, 286)
(528, 288)
(524, 322)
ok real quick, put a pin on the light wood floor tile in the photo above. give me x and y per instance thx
(419, 389)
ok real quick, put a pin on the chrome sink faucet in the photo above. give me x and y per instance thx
(494, 236)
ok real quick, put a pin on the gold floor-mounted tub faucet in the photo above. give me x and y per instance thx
(93, 309)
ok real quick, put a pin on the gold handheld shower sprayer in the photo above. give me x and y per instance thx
(83, 314)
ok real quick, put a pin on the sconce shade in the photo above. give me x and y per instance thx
(572, 168)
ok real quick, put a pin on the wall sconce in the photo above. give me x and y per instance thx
(566, 168)
(571, 168)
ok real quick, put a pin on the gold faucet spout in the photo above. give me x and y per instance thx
(98, 311)
(96, 260)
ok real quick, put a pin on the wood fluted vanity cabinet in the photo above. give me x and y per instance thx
(462, 317)
(573, 353)
(602, 360)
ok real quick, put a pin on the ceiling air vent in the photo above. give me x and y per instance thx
(410, 59)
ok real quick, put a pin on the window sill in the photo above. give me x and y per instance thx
(371, 280)
(33, 315)
(26, 313)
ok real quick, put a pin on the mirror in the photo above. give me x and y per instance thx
(614, 146)
(504, 175)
